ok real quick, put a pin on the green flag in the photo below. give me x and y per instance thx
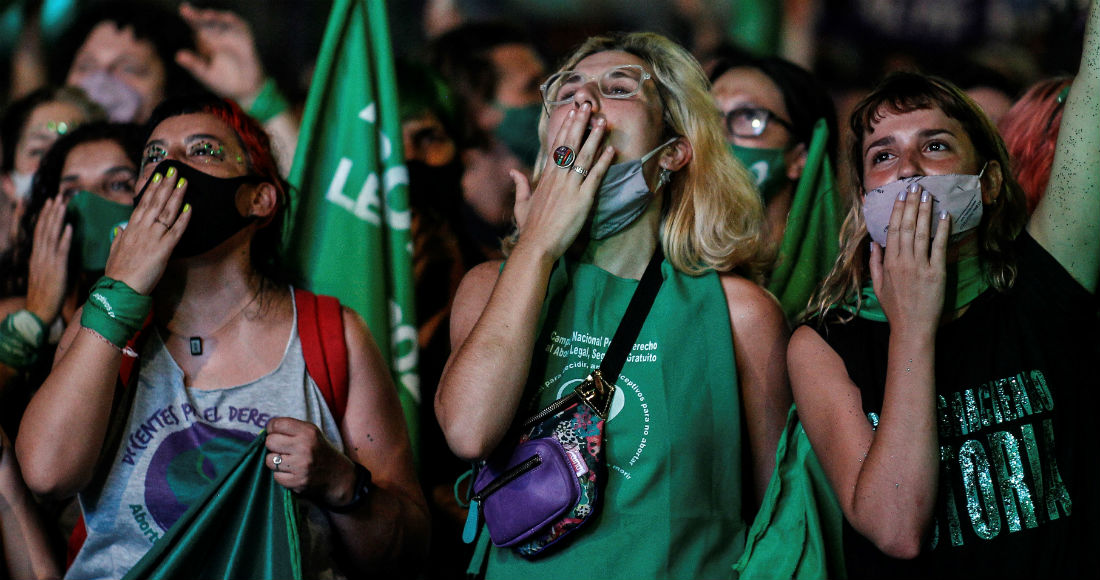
(811, 241)
(350, 216)
(244, 526)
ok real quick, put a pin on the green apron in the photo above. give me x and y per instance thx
(672, 503)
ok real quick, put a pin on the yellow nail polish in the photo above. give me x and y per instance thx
(157, 177)
(171, 172)
(186, 207)
(114, 232)
(182, 182)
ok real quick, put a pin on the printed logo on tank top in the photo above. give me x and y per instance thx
(584, 352)
(998, 449)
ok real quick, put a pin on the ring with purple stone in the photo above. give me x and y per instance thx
(564, 156)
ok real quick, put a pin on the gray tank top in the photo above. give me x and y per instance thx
(174, 442)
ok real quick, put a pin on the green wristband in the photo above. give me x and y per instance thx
(115, 311)
(269, 103)
(22, 336)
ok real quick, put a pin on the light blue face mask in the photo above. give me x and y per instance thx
(624, 195)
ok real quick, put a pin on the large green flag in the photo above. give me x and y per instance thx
(350, 236)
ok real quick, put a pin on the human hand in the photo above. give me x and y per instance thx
(909, 273)
(308, 464)
(551, 216)
(140, 252)
(225, 59)
(49, 264)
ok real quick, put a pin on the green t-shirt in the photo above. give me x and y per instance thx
(672, 503)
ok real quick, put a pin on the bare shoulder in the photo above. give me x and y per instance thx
(750, 304)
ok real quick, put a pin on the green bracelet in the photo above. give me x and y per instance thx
(269, 103)
(115, 311)
(22, 336)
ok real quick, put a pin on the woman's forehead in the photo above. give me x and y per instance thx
(184, 127)
(602, 61)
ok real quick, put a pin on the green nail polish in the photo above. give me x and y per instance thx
(186, 207)
(157, 177)
(171, 172)
(182, 182)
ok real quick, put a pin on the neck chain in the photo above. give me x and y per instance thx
(196, 343)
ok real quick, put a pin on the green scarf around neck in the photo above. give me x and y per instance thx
(965, 282)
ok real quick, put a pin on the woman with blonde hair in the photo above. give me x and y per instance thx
(632, 164)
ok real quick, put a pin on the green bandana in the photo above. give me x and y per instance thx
(95, 221)
(519, 130)
(22, 335)
(965, 282)
(115, 311)
(767, 166)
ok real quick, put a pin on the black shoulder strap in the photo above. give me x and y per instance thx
(640, 303)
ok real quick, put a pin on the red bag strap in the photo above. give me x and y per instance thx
(321, 332)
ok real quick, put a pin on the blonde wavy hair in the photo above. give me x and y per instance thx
(713, 216)
(1002, 221)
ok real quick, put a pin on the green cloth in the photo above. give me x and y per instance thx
(22, 336)
(115, 311)
(756, 25)
(244, 526)
(965, 282)
(798, 532)
(811, 241)
(672, 506)
(351, 236)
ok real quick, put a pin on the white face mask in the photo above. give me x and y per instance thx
(958, 195)
(623, 196)
(121, 101)
(22, 184)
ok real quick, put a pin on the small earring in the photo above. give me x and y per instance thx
(664, 177)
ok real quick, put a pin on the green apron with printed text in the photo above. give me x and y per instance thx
(672, 503)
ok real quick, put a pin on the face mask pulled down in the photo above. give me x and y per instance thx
(958, 195)
(623, 196)
(215, 217)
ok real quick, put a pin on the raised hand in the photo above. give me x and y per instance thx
(909, 273)
(551, 216)
(140, 252)
(225, 59)
(49, 263)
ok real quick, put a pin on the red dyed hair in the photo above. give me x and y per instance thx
(267, 244)
(1030, 130)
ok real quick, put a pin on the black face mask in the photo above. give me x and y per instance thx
(213, 200)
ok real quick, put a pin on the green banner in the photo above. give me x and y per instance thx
(350, 236)
(244, 526)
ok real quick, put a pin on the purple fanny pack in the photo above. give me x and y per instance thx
(549, 485)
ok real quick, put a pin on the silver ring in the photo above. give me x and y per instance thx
(277, 461)
(581, 170)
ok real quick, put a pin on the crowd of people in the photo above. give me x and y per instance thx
(906, 281)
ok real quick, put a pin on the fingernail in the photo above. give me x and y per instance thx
(171, 172)
(186, 207)
(904, 193)
(943, 215)
(114, 232)
(924, 196)
(913, 188)
(157, 177)
(572, 113)
(182, 182)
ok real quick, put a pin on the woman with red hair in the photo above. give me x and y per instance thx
(1030, 130)
(219, 362)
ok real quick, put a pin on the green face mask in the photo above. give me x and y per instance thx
(94, 221)
(519, 130)
(767, 166)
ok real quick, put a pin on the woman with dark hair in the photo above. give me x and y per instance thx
(781, 124)
(197, 259)
(944, 380)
